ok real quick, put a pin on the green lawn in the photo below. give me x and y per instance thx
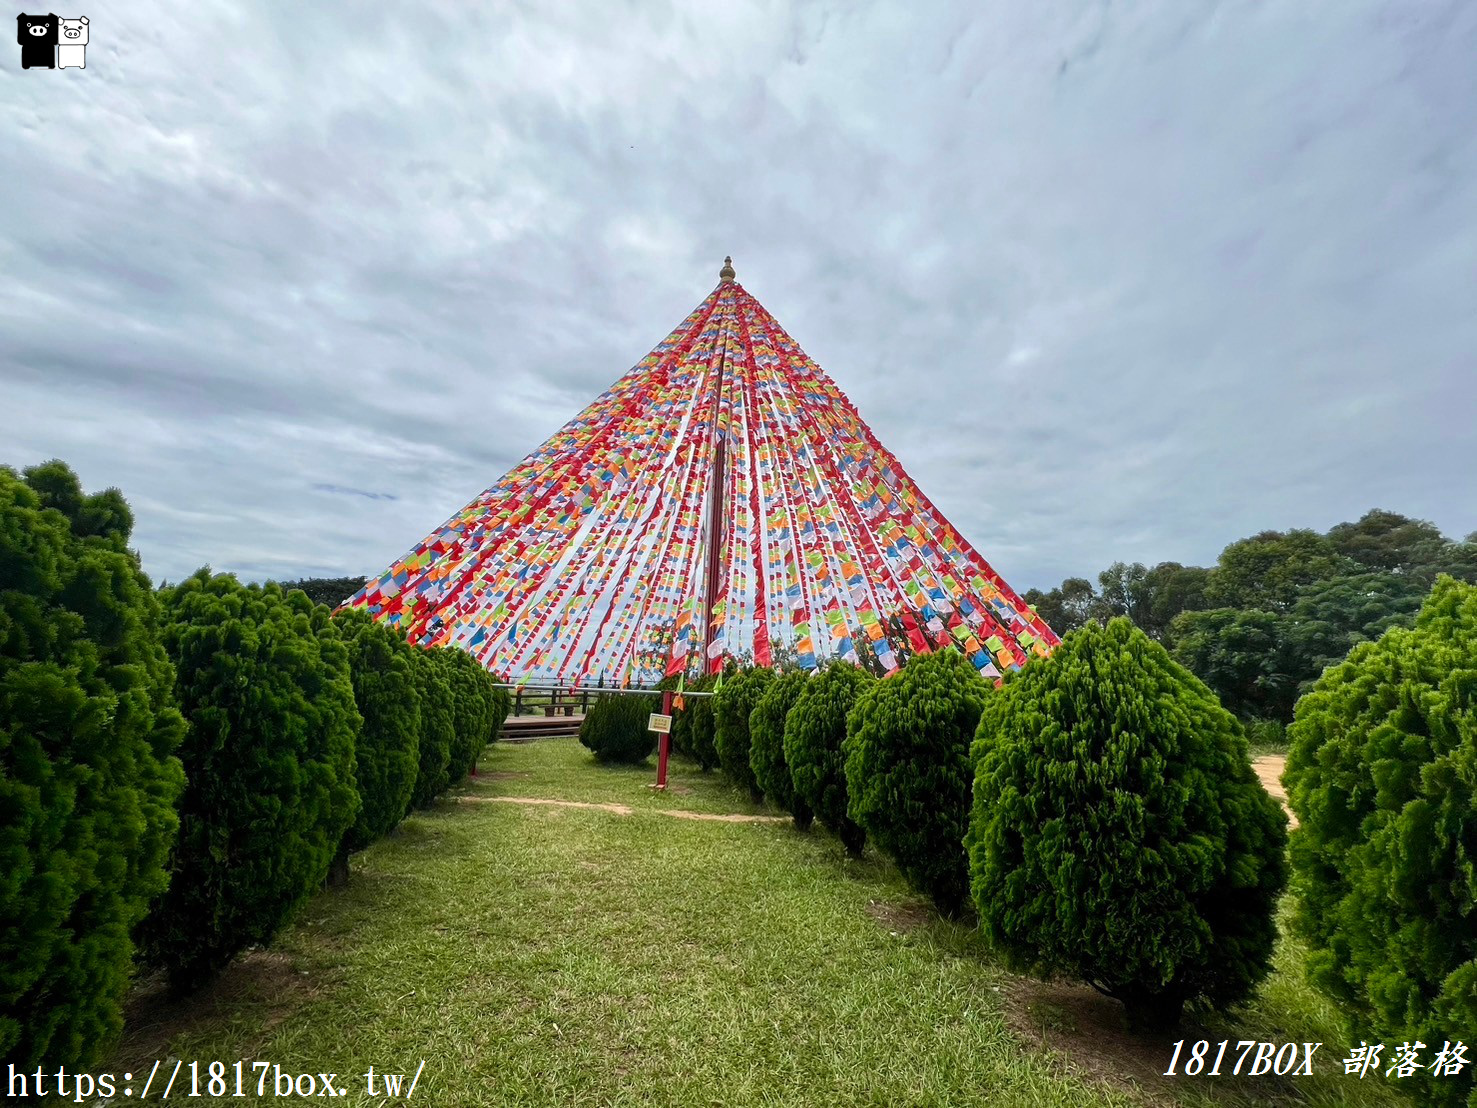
(548, 955)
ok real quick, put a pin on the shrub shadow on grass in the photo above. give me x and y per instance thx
(269, 984)
(1089, 1033)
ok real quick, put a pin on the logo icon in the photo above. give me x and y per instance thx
(71, 50)
(38, 37)
(47, 42)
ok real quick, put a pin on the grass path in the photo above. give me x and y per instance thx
(562, 953)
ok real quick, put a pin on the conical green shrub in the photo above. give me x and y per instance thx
(701, 730)
(814, 731)
(88, 772)
(263, 679)
(767, 745)
(732, 708)
(387, 753)
(1119, 834)
(438, 727)
(616, 728)
(1382, 774)
(908, 773)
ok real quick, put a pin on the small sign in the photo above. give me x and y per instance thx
(659, 723)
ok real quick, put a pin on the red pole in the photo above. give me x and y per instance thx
(715, 513)
(664, 744)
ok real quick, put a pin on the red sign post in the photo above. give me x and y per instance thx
(664, 743)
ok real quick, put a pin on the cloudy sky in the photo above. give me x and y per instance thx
(1113, 280)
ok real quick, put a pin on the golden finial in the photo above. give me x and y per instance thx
(726, 274)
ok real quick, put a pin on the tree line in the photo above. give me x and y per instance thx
(1277, 608)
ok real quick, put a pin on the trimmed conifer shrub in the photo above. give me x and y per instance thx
(88, 776)
(908, 770)
(615, 729)
(471, 710)
(499, 704)
(1119, 834)
(701, 731)
(767, 745)
(815, 728)
(381, 669)
(263, 679)
(1382, 774)
(731, 709)
(438, 727)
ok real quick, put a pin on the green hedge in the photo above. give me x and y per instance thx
(88, 776)
(1119, 834)
(615, 729)
(382, 671)
(701, 730)
(263, 679)
(438, 727)
(732, 707)
(472, 710)
(767, 745)
(908, 770)
(1382, 774)
(814, 731)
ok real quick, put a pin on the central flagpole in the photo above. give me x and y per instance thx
(715, 500)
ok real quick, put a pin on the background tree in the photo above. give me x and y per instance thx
(1242, 656)
(1267, 570)
(88, 776)
(438, 727)
(1277, 608)
(908, 770)
(1329, 618)
(1382, 774)
(1390, 543)
(1173, 589)
(732, 707)
(1124, 590)
(1066, 607)
(331, 591)
(1259, 662)
(387, 753)
(269, 757)
(767, 745)
(814, 731)
(1119, 834)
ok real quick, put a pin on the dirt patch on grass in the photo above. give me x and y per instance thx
(898, 917)
(1089, 1033)
(627, 810)
(263, 979)
(617, 809)
(1269, 769)
(722, 817)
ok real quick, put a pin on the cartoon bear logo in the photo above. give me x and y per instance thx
(37, 35)
(71, 50)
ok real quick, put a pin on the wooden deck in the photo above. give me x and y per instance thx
(522, 729)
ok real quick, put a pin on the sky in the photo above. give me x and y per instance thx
(1114, 281)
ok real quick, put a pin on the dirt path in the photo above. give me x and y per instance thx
(1269, 768)
(626, 810)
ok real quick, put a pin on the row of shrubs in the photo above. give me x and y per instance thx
(180, 769)
(1100, 813)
